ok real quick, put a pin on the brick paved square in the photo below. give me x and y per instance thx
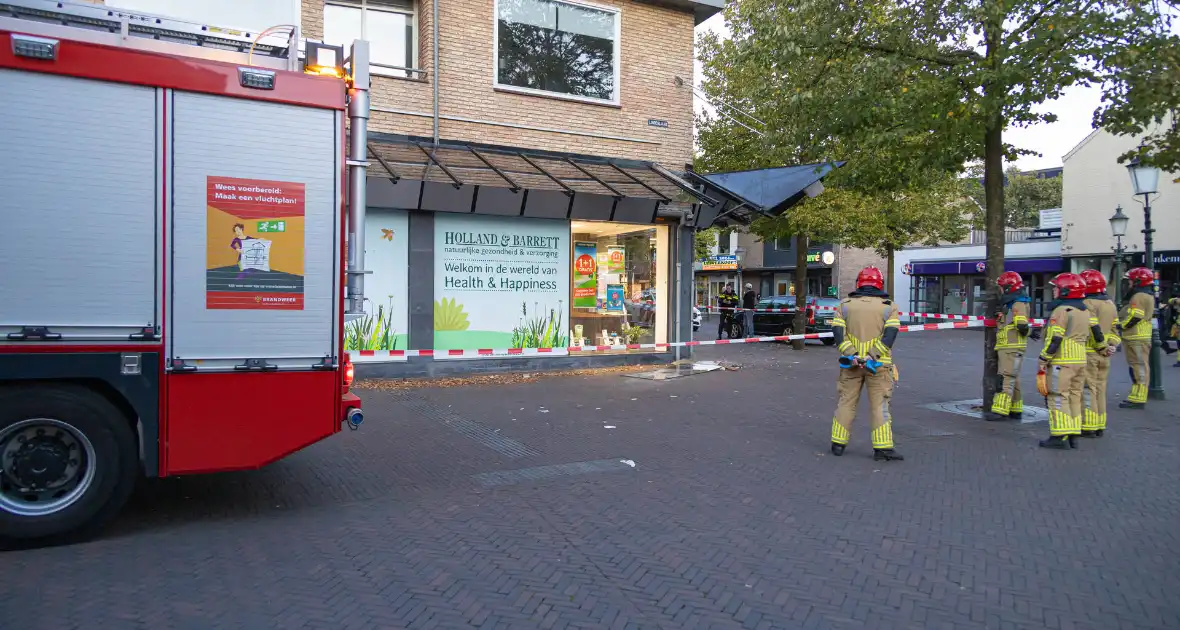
(734, 515)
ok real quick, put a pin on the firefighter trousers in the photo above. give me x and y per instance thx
(1137, 351)
(1008, 399)
(880, 387)
(1094, 398)
(1066, 383)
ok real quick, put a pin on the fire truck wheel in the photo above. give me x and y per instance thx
(68, 463)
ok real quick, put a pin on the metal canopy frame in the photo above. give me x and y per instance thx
(594, 185)
(779, 189)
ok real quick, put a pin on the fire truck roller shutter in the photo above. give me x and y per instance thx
(79, 209)
(255, 281)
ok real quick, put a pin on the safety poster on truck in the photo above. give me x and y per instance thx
(254, 248)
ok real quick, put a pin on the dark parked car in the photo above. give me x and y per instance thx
(783, 323)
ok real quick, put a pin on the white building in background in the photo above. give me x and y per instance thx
(1094, 185)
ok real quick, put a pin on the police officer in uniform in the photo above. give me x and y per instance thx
(1061, 371)
(1100, 306)
(1135, 323)
(1011, 340)
(728, 301)
(865, 327)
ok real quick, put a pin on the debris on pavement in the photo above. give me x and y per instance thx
(507, 378)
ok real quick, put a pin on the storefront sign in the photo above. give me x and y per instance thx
(500, 282)
(385, 324)
(723, 262)
(254, 244)
(1159, 258)
(585, 275)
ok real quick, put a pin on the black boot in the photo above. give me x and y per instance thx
(1099, 432)
(1126, 404)
(837, 449)
(1074, 442)
(1015, 415)
(886, 454)
(992, 416)
(1056, 442)
(1089, 434)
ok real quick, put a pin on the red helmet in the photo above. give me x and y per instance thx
(1140, 277)
(870, 277)
(1010, 282)
(1069, 285)
(1095, 281)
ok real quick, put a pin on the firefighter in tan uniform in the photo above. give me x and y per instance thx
(1100, 306)
(1135, 323)
(1011, 340)
(865, 327)
(1061, 371)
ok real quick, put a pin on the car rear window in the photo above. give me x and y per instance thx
(828, 302)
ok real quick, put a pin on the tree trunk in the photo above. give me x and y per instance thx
(889, 273)
(993, 189)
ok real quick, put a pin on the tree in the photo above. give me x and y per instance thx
(1145, 99)
(931, 84)
(703, 243)
(1024, 197)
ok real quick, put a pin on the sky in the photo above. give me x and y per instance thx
(1074, 109)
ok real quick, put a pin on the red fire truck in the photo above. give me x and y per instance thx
(173, 253)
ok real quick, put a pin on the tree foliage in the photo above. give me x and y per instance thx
(1145, 98)
(1024, 197)
(901, 88)
(703, 242)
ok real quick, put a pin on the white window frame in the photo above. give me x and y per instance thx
(618, 62)
(412, 70)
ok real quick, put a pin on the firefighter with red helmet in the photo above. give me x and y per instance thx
(1061, 370)
(1011, 340)
(1100, 306)
(1135, 322)
(865, 328)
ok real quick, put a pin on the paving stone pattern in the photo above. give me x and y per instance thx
(734, 515)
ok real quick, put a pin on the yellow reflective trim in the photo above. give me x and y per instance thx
(840, 435)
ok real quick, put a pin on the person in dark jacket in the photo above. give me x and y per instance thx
(727, 302)
(749, 301)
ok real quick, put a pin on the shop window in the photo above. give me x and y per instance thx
(619, 283)
(390, 27)
(553, 47)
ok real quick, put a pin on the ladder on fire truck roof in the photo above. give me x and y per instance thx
(112, 26)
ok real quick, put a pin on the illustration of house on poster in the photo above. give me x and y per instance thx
(254, 244)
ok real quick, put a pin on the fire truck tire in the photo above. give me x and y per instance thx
(70, 462)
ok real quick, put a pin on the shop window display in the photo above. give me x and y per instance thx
(618, 287)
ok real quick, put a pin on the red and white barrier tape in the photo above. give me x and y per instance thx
(364, 356)
(987, 321)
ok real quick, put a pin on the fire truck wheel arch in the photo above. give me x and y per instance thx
(70, 463)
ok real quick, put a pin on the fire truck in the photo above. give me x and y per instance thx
(176, 205)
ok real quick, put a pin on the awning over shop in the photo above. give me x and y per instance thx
(973, 267)
(746, 195)
(505, 181)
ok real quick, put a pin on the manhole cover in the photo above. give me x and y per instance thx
(973, 409)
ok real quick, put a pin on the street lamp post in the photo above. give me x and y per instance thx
(1118, 229)
(1144, 180)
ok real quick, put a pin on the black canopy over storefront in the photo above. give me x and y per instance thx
(506, 181)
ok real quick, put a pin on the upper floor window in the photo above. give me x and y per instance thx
(390, 26)
(558, 47)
